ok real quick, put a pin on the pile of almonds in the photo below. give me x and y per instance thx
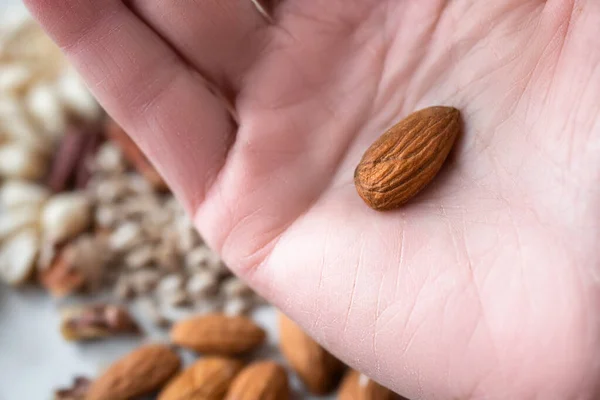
(82, 211)
(227, 369)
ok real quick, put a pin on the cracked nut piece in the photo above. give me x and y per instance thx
(77, 391)
(62, 277)
(14, 77)
(126, 236)
(20, 161)
(18, 255)
(357, 386)
(44, 106)
(16, 127)
(14, 221)
(65, 215)
(207, 379)
(76, 97)
(80, 262)
(262, 380)
(17, 193)
(218, 334)
(140, 372)
(96, 321)
(318, 369)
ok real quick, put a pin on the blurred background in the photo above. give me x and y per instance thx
(96, 256)
(47, 121)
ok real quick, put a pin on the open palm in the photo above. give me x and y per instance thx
(483, 286)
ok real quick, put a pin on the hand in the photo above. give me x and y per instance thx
(486, 285)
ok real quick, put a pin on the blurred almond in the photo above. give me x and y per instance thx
(207, 379)
(218, 334)
(356, 386)
(140, 372)
(262, 380)
(318, 369)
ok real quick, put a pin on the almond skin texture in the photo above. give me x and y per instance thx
(140, 372)
(218, 334)
(263, 380)
(207, 379)
(406, 157)
(318, 369)
(358, 387)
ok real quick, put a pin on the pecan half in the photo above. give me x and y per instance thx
(77, 391)
(96, 322)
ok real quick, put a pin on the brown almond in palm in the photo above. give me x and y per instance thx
(218, 334)
(262, 380)
(407, 157)
(206, 379)
(319, 370)
(141, 372)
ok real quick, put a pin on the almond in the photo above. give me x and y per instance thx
(407, 157)
(140, 372)
(218, 334)
(356, 386)
(318, 369)
(207, 379)
(134, 155)
(262, 380)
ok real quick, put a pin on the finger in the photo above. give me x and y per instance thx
(143, 84)
(221, 38)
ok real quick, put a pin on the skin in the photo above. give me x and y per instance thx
(484, 286)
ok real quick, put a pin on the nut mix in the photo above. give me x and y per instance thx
(83, 211)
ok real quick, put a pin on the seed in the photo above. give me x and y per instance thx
(125, 237)
(140, 256)
(65, 215)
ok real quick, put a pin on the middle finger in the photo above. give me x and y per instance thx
(221, 38)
